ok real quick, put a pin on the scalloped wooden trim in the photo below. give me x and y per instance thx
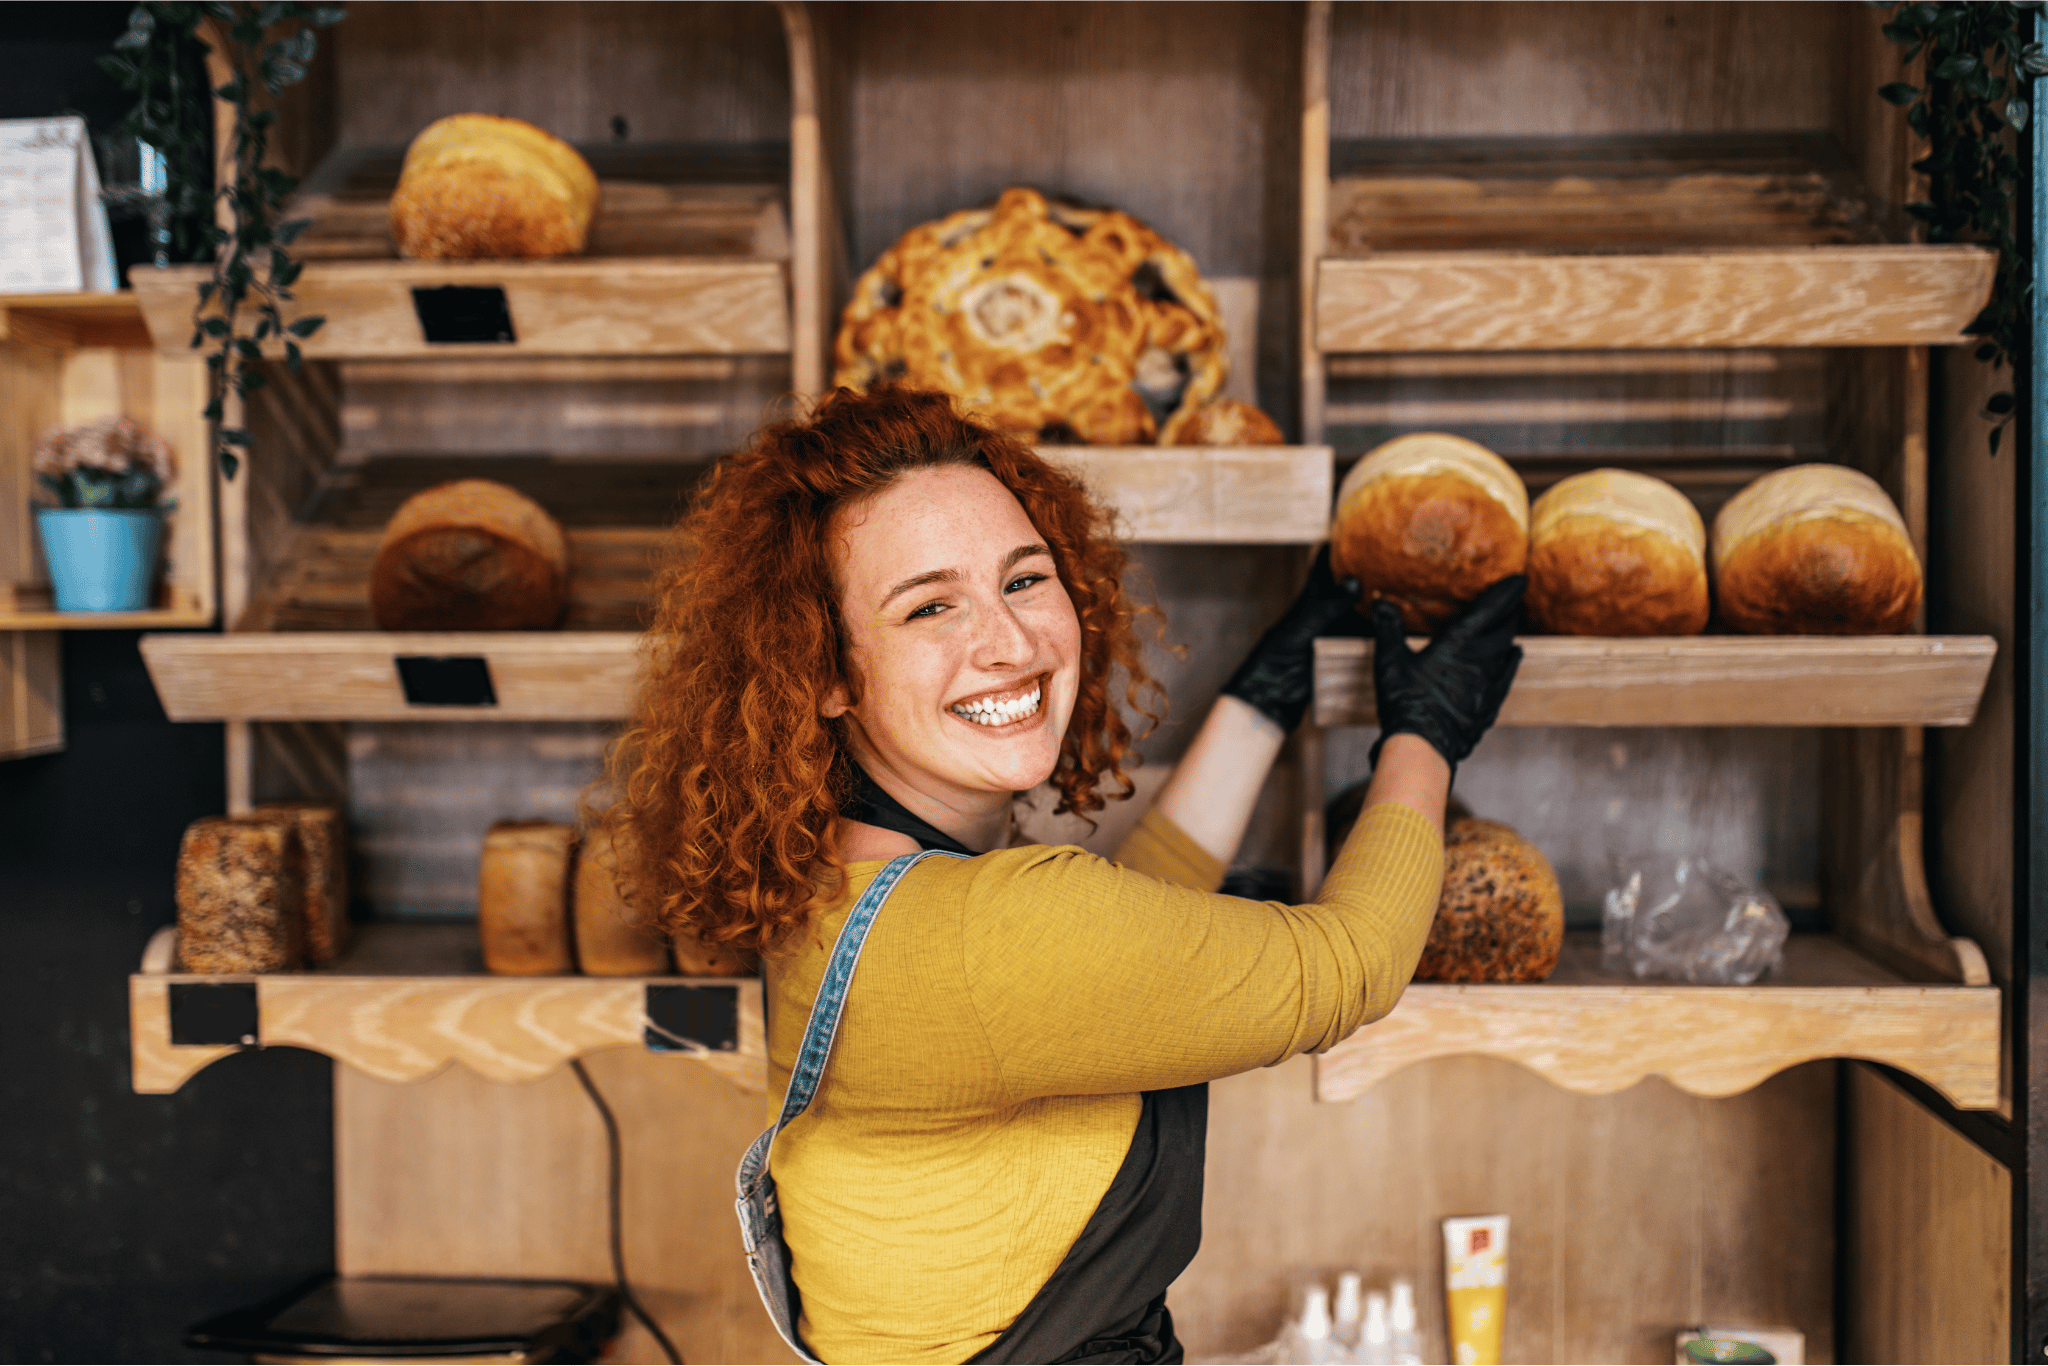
(1711, 1041)
(409, 1028)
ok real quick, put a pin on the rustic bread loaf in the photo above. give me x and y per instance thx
(1815, 550)
(1428, 522)
(522, 902)
(323, 839)
(476, 185)
(1612, 553)
(1048, 320)
(241, 895)
(1500, 917)
(611, 939)
(1226, 422)
(471, 555)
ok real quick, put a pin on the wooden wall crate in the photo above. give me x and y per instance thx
(66, 360)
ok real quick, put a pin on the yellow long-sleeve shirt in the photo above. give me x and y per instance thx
(1007, 1012)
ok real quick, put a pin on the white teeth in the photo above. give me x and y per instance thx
(1000, 713)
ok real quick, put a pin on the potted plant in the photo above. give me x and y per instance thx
(103, 535)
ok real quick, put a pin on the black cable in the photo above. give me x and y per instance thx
(611, 1136)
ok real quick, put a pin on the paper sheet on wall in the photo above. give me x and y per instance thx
(53, 228)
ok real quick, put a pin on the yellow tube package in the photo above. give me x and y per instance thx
(1476, 1287)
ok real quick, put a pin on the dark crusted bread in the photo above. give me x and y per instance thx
(241, 895)
(472, 555)
(1500, 917)
(323, 839)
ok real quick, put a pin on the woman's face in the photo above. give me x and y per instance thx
(962, 636)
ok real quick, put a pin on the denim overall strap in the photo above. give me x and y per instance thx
(759, 1210)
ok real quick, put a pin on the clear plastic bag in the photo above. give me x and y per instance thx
(1683, 918)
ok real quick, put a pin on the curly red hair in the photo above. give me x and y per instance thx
(728, 785)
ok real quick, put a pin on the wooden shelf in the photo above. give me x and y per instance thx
(1706, 681)
(66, 322)
(407, 1000)
(1619, 243)
(1595, 1034)
(31, 607)
(688, 255)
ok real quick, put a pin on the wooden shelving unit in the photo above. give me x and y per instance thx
(408, 1000)
(1589, 1032)
(66, 360)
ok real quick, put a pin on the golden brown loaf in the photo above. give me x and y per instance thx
(323, 840)
(472, 555)
(611, 941)
(1428, 522)
(476, 185)
(1226, 422)
(1501, 914)
(522, 900)
(241, 895)
(1048, 320)
(1815, 550)
(1613, 553)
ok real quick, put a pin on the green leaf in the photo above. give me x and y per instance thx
(1999, 404)
(1962, 63)
(2016, 112)
(229, 463)
(234, 436)
(1898, 92)
(288, 232)
(1987, 351)
(215, 327)
(1996, 432)
(249, 381)
(305, 327)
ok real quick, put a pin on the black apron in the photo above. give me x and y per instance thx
(1106, 1302)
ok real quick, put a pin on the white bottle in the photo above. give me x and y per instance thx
(1345, 1330)
(1406, 1343)
(1375, 1340)
(1318, 1348)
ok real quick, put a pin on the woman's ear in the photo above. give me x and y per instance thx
(836, 703)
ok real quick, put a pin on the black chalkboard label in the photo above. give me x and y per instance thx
(213, 1013)
(452, 314)
(677, 1016)
(446, 680)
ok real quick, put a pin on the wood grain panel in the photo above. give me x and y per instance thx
(1631, 1213)
(1705, 681)
(1276, 495)
(1587, 1032)
(1502, 301)
(588, 307)
(1927, 1234)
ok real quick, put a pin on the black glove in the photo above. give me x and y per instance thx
(1279, 674)
(1450, 692)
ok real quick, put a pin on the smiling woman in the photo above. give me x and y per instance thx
(886, 623)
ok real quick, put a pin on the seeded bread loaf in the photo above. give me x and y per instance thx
(323, 839)
(241, 895)
(472, 555)
(611, 940)
(522, 904)
(1501, 915)
(476, 185)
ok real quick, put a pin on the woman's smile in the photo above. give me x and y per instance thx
(1004, 709)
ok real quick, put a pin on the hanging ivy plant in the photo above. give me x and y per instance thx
(269, 45)
(1980, 62)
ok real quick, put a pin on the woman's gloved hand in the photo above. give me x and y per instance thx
(1450, 692)
(1279, 674)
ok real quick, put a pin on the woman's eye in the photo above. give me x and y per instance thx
(1023, 581)
(930, 609)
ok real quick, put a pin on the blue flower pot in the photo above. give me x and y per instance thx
(101, 559)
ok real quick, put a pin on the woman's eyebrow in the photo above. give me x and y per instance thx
(1025, 552)
(1022, 552)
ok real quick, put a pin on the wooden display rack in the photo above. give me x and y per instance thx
(66, 360)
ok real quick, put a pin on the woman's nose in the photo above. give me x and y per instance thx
(1004, 641)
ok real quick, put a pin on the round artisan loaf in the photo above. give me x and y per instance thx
(1428, 522)
(1815, 550)
(1054, 321)
(476, 185)
(471, 555)
(522, 903)
(1226, 422)
(1500, 917)
(1612, 553)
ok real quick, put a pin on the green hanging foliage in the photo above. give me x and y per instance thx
(1980, 61)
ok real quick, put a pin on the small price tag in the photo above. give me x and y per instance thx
(446, 680)
(472, 314)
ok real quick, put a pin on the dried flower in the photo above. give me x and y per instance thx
(112, 463)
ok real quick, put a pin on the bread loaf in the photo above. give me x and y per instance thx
(1428, 522)
(1226, 422)
(1500, 917)
(1815, 550)
(522, 902)
(241, 895)
(1613, 553)
(323, 840)
(611, 938)
(471, 555)
(1048, 320)
(475, 185)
